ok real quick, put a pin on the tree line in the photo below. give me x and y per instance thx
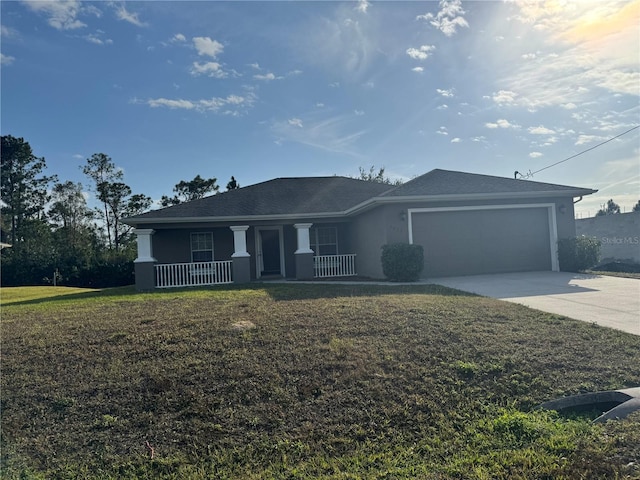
(49, 233)
(612, 208)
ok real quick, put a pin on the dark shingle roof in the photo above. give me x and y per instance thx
(447, 182)
(337, 195)
(281, 196)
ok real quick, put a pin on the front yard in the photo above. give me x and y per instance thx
(304, 381)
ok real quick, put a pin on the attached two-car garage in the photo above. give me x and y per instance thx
(485, 239)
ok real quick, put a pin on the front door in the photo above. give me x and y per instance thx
(269, 242)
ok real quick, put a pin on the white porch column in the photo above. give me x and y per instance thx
(145, 248)
(303, 238)
(240, 257)
(240, 241)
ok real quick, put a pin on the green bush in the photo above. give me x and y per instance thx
(402, 262)
(578, 253)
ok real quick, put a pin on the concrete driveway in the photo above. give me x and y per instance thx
(608, 301)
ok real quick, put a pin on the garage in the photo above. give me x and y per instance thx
(485, 239)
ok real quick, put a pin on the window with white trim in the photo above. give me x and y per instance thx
(202, 247)
(324, 240)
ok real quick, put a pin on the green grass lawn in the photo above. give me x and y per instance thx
(304, 381)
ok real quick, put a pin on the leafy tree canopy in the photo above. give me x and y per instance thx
(185, 191)
(610, 209)
(377, 177)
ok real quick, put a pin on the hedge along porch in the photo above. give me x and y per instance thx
(313, 227)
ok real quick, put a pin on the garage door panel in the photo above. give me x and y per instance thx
(483, 241)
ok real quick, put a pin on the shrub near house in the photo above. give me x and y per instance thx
(578, 253)
(402, 262)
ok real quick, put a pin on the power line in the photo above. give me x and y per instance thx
(531, 174)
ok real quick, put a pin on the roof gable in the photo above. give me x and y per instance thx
(447, 182)
(281, 196)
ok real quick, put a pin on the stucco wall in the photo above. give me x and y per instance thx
(388, 224)
(619, 235)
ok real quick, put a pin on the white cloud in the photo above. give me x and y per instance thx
(540, 130)
(6, 59)
(569, 106)
(584, 139)
(480, 138)
(445, 93)
(255, 66)
(362, 6)
(502, 123)
(234, 105)
(417, 69)
(8, 32)
(62, 14)
(444, 106)
(211, 69)
(448, 19)
(178, 38)
(267, 77)
(504, 97)
(456, 140)
(132, 18)
(319, 104)
(207, 46)
(442, 131)
(529, 56)
(337, 134)
(535, 154)
(594, 46)
(421, 53)
(358, 113)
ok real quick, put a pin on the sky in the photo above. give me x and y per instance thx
(260, 90)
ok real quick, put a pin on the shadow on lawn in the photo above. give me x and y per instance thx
(277, 291)
(310, 291)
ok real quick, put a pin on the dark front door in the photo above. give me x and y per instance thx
(270, 252)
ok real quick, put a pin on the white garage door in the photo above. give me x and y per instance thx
(478, 241)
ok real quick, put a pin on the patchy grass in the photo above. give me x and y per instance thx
(330, 381)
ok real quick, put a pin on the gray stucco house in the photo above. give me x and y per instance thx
(335, 226)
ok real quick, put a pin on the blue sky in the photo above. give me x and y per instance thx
(261, 90)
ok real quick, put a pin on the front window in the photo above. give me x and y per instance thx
(202, 247)
(324, 240)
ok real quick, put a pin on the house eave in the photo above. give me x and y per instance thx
(232, 219)
(475, 197)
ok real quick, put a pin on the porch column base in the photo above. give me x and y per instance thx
(241, 268)
(304, 266)
(145, 276)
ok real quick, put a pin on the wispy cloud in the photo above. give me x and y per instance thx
(584, 139)
(502, 123)
(123, 14)
(207, 47)
(535, 154)
(445, 93)
(178, 38)
(504, 97)
(421, 53)
(6, 59)
(363, 6)
(329, 133)
(417, 69)
(210, 69)
(62, 14)
(448, 19)
(456, 140)
(267, 77)
(541, 130)
(234, 105)
(8, 32)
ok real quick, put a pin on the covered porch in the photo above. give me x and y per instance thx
(259, 252)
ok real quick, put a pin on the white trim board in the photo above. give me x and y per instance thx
(551, 215)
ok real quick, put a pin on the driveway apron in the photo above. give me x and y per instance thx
(608, 301)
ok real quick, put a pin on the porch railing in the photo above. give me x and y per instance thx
(334, 265)
(193, 274)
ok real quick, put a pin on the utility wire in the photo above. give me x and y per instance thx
(531, 174)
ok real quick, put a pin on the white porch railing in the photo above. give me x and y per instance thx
(193, 274)
(334, 265)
